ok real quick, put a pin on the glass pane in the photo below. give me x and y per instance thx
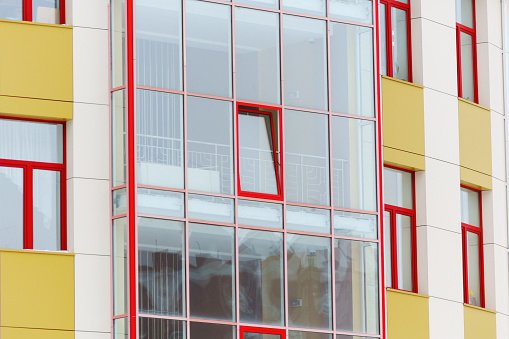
(205, 207)
(31, 141)
(117, 42)
(404, 245)
(261, 291)
(212, 331)
(121, 328)
(383, 39)
(257, 55)
(352, 10)
(311, 7)
(465, 12)
(273, 4)
(308, 335)
(163, 203)
(118, 139)
(470, 207)
(398, 188)
(474, 280)
(354, 163)
(11, 9)
(352, 70)
(209, 45)
(261, 214)
(307, 157)
(305, 44)
(160, 145)
(252, 335)
(209, 145)
(258, 138)
(387, 249)
(355, 225)
(356, 265)
(11, 207)
(46, 11)
(308, 219)
(120, 278)
(467, 67)
(399, 44)
(47, 210)
(343, 336)
(151, 328)
(159, 44)
(119, 202)
(161, 267)
(309, 281)
(212, 272)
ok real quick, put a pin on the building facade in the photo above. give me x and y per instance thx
(253, 169)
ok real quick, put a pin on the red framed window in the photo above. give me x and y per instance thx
(32, 185)
(472, 241)
(400, 230)
(395, 39)
(466, 50)
(259, 163)
(43, 11)
(247, 332)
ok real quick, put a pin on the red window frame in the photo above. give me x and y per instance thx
(465, 228)
(28, 168)
(472, 32)
(276, 140)
(395, 210)
(262, 330)
(388, 34)
(27, 10)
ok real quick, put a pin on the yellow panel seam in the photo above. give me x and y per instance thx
(19, 97)
(37, 328)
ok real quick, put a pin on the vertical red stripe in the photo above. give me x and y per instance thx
(62, 12)
(29, 208)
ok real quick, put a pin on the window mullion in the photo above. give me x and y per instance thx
(28, 224)
(394, 254)
(27, 10)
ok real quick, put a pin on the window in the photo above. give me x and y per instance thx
(466, 50)
(399, 230)
(396, 57)
(472, 240)
(32, 185)
(43, 11)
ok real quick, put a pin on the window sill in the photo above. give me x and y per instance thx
(401, 81)
(479, 308)
(34, 23)
(389, 289)
(65, 253)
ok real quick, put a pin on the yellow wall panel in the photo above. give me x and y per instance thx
(407, 315)
(27, 333)
(37, 289)
(475, 143)
(405, 160)
(479, 323)
(35, 108)
(403, 120)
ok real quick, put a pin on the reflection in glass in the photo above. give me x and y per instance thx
(343, 336)
(151, 328)
(257, 55)
(352, 10)
(261, 214)
(398, 188)
(117, 37)
(309, 281)
(261, 277)
(212, 331)
(118, 139)
(465, 12)
(352, 70)
(272, 4)
(159, 44)
(119, 202)
(383, 39)
(467, 67)
(209, 208)
(308, 335)
(387, 249)
(11, 207)
(404, 245)
(208, 44)
(470, 207)
(307, 158)
(474, 275)
(212, 272)
(305, 44)
(311, 7)
(120, 328)
(119, 266)
(161, 267)
(355, 225)
(159, 139)
(354, 163)
(46, 11)
(307, 219)
(11, 9)
(46, 210)
(209, 145)
(158, 202)
(356, 265)
(252, 335)
(399, 44)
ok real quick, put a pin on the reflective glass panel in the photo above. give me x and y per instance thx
(352, 10)
(11, 9)
(308, 335)
(252, 335)
(118, 139)
(261, 291)
(383, 39)
(273, 4)
(46, 11)
(467, 67)
(305, 43)
(159, 139)
(343, 336)
(209, 145)
(261, 214)
(212, 331)
(161, 267)
(31, 141)
(11, 207)
(307, 219)
(120, 278)
(257, 55)
(307, 157)
(158, 202)
(399, 44)
(465, 12)
(474, 276)
(404, 245)
(309, 281)
(354, 163)
(356, 265)
(119, 202)
(159, 44)
(209, 208)
(355, 225)
(117, 25)
(208, 44)
(311, 7)
(151, 328)
(398, 188)
(120, 328)
(47, 210)
(387, 249)
(212, 272)
(470, 207)
(352, 69)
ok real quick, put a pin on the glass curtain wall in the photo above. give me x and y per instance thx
(193, 258)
